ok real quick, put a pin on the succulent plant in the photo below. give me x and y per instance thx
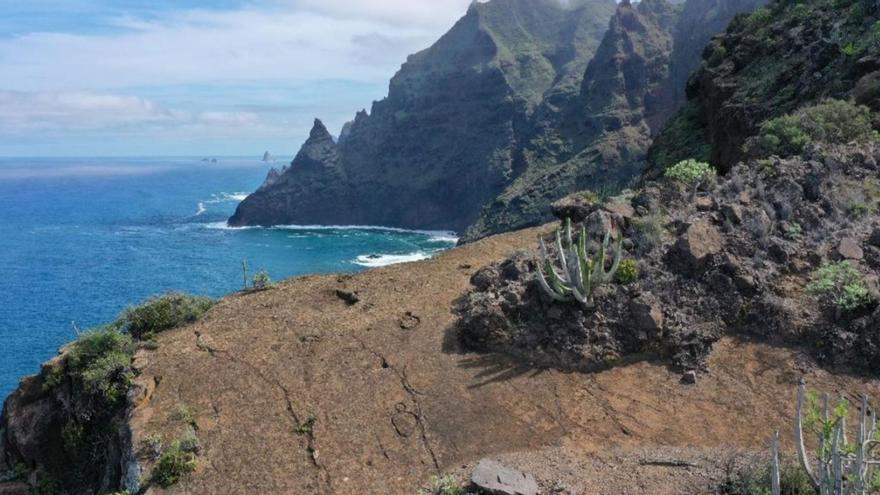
(842, 468)
(574, 275)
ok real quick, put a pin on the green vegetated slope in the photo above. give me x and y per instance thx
(784, 56)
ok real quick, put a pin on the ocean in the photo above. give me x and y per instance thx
(82, 239)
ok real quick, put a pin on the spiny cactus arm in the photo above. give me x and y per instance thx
(561, 252)
(553, 293)
(799, 436)
(557, 281)
(836, 461)
(618, 255)
(774, 475)
(578, 290)
(568, 236)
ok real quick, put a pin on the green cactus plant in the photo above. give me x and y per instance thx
(575, 275)
(842, 468)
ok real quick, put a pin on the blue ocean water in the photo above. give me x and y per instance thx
(81, 239)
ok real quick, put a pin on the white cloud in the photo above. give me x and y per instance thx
(23, 112)
(172, 81)
(315, 41)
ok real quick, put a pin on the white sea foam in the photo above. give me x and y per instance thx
(375, 261)
(201, 208)
(434, 235)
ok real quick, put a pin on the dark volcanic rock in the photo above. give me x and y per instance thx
(764, 66)
(743, 271)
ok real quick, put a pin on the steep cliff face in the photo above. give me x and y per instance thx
(604, 131)
(444, 141)
(768, 64)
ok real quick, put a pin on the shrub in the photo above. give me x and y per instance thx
(163, 313)
(173, 465)
(840, 285)
(794, 232)
(183, 414)
(446, 485)
(100, 364)
(628, 271)
(690, 172)
(831, 122)
(262, 281)
(648, 232)
(760, 17)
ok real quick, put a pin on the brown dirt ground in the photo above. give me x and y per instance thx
(392, 400)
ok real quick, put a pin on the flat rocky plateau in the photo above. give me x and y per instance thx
(295, 390)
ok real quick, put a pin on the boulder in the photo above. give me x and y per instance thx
(350, 297)
(705, 203)
(494, 478)
(689, 378)
(849, 249)
(576, 207)
(599, 223)
(647, 314)
(733, 213)
(698, 244)
(874, 240)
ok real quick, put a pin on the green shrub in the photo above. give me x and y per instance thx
(840, 284)
(648, 232)
(830, 122)
(183, 414)
(262, 281)
(628, 272)
(857, 208)
(446, 485)
(794, 232)
(173, 465)
(100, 364)
(690, 172)
(760, 17)
(163, 313)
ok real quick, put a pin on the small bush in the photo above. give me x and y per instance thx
(690, 172)
(760, 17)
(648, 232)
(183, 414)
(100, 364)
(173, 465)
(840, 285)
(794, 232)
(163, 313)
(628, 272)
(830, 122)
(262, 281)
(446, 485)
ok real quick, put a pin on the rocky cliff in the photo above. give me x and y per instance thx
(444, 141)
(519, 104)
(767, 64)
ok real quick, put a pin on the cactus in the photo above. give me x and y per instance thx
(577, 274)
(842, 468)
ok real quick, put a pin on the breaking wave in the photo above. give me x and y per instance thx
(377, 260)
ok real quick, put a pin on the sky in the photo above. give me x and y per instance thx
(198, 77)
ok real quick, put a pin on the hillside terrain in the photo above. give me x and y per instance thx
(293, 390)
(521, 103)
(715, 287)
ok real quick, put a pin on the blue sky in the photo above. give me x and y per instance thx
(197, 77)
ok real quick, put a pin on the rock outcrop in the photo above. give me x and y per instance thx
(741, 264)
(766, 65)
